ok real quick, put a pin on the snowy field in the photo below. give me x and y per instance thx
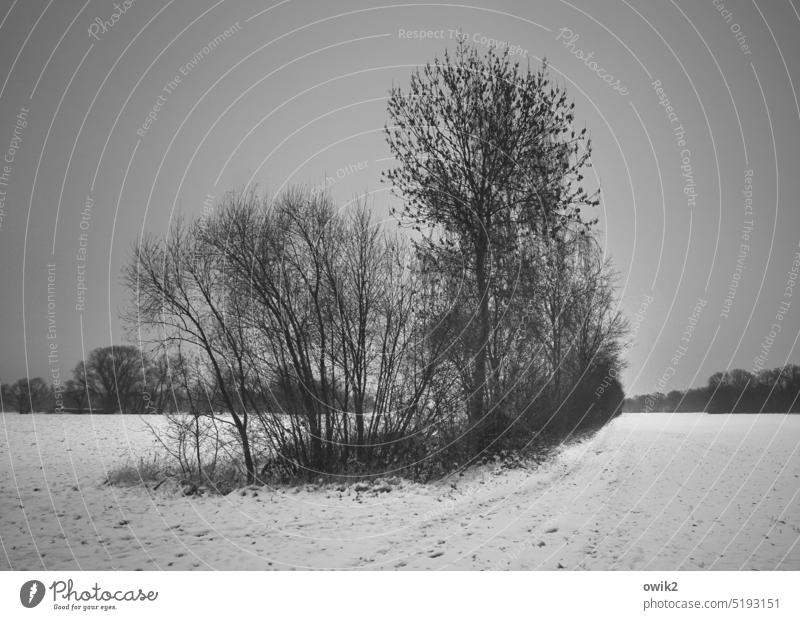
(656, 491)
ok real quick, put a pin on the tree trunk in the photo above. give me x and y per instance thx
(314, 427)
(197, 446)
(249, 466)
(477, 411)
(359, 410)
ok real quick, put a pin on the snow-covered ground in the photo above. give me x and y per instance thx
(656, 491)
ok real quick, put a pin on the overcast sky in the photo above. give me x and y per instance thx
(104, 143)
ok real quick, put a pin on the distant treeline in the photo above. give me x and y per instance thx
(118, 379)
(736, 391)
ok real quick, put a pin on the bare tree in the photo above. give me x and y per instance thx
(28, 395)
(302, 324)
(113, 378)
(488, 159)
(330, 300)
(180, 295)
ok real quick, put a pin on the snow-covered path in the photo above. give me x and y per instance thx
(649, 491)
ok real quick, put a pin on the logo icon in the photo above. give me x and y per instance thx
(31, 593)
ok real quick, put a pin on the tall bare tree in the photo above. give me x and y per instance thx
(488, 158)
(180, 296)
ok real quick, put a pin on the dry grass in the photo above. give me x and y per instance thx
(132, 474)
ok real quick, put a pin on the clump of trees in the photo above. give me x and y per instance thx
(294, 339)
(114, 379)
(27, 395)
(303, 340)
(490, 170)
(297, 325)
(736, 391)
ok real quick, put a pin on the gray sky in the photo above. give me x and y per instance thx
(295, 91)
